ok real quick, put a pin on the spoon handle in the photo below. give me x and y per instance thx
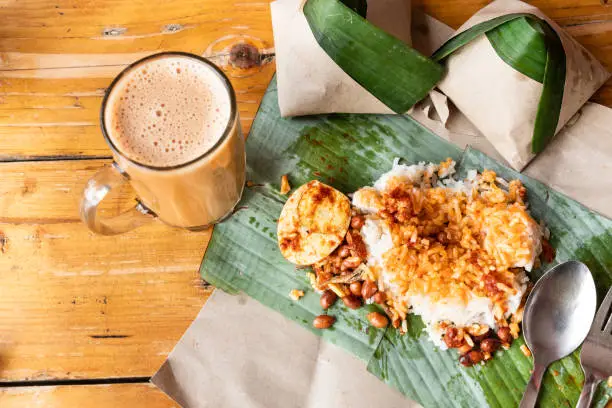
(530, 396)
(590, 385)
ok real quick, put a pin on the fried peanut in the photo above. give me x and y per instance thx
(328, 298)
(379, 297)
(504, 335)
(323, 321)
(378, 320)
(355, 288)
(453, 337)
(352, 301)
(351, 262)
(368, 289)
(490, 345)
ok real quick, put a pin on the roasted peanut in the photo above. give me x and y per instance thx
(355, 288)
(351, 262)
(504, 335)
(368, 289)
(453, 337)
(328, 298)
(357, 222)
(323, 321)
(475, 356)
(378, 320)
(352, 301)
(490, 345)
(379, 297)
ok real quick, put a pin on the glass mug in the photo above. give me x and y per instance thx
(193, 182)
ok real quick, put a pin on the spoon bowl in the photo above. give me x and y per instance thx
(557, 318)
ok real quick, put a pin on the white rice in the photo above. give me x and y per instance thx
(378, 240)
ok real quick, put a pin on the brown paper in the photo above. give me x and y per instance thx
(502, 102)
(310, 82)
(577, 163)
(238, 353)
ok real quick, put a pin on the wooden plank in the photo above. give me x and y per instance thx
(104, 21)
(597, 38)
(114, 395)
(564, 12)
(57, 60)
(78, 305)
(46, 128)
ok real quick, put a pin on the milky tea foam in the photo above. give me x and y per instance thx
(173, 123)
(167, 112)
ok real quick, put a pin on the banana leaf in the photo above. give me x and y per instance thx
(389, 69)
(349, 151)
(531, 46)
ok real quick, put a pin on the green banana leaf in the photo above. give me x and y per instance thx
(349, 151)
(392, 71)
(529, 45)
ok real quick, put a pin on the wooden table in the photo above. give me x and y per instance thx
(86, 320)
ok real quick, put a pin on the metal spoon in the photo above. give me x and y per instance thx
(557, 318)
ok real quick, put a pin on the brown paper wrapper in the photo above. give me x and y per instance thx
(501, 102)
(309, 81)
(238, 353)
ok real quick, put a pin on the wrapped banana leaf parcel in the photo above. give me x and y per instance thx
(517, 76)
(332, 55)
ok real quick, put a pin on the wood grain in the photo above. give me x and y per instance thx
(77, 305)
(564, 12)
(91, 396)
(74, 305)
(57, 58)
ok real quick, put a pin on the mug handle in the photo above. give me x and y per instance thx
(96, 189)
